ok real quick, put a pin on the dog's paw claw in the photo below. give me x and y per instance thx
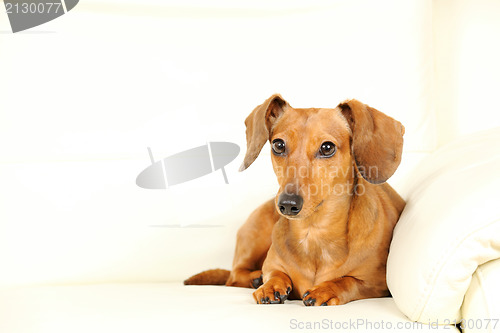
(270, 293)
(256, 283)
(320, 296)
(309, 301)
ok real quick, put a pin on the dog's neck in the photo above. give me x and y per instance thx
(323, 233)
(332, 213)
(326, 231)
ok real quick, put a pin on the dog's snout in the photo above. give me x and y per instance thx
(290, 204)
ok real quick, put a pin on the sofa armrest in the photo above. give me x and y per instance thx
(449, 227)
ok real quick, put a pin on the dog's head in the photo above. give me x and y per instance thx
(318, 153)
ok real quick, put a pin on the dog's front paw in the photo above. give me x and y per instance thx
(321, 295)
(274, 291)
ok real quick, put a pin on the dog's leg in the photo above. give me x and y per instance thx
(275, 290)
(341, 291)
(245, 278)
(252, 243)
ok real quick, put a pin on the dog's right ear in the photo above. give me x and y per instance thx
(377, 140)
(259, 124)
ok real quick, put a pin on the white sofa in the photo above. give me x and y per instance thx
(83, 249)
(443, 268)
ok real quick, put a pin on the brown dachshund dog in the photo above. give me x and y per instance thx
(325, 237)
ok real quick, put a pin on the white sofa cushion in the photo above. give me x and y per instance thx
(451, 224)
(161, 308)
(481, 308)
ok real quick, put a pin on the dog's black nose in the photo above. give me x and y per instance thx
(290, 204)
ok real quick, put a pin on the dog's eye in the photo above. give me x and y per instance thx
(278, 146)
(327, 149)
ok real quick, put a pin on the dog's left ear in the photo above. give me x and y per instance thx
(377, 140)
(259, 124)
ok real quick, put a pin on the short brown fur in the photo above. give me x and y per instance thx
(335, 250)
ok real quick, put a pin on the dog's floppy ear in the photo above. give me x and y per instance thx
(259, 124)
(377, 140)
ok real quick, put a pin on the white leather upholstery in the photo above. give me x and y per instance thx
(481, 308)
(172, 76)
(160, 308)
(450, 226)
(84, 95)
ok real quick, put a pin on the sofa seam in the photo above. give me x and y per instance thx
(480, 279)
(424, 298)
